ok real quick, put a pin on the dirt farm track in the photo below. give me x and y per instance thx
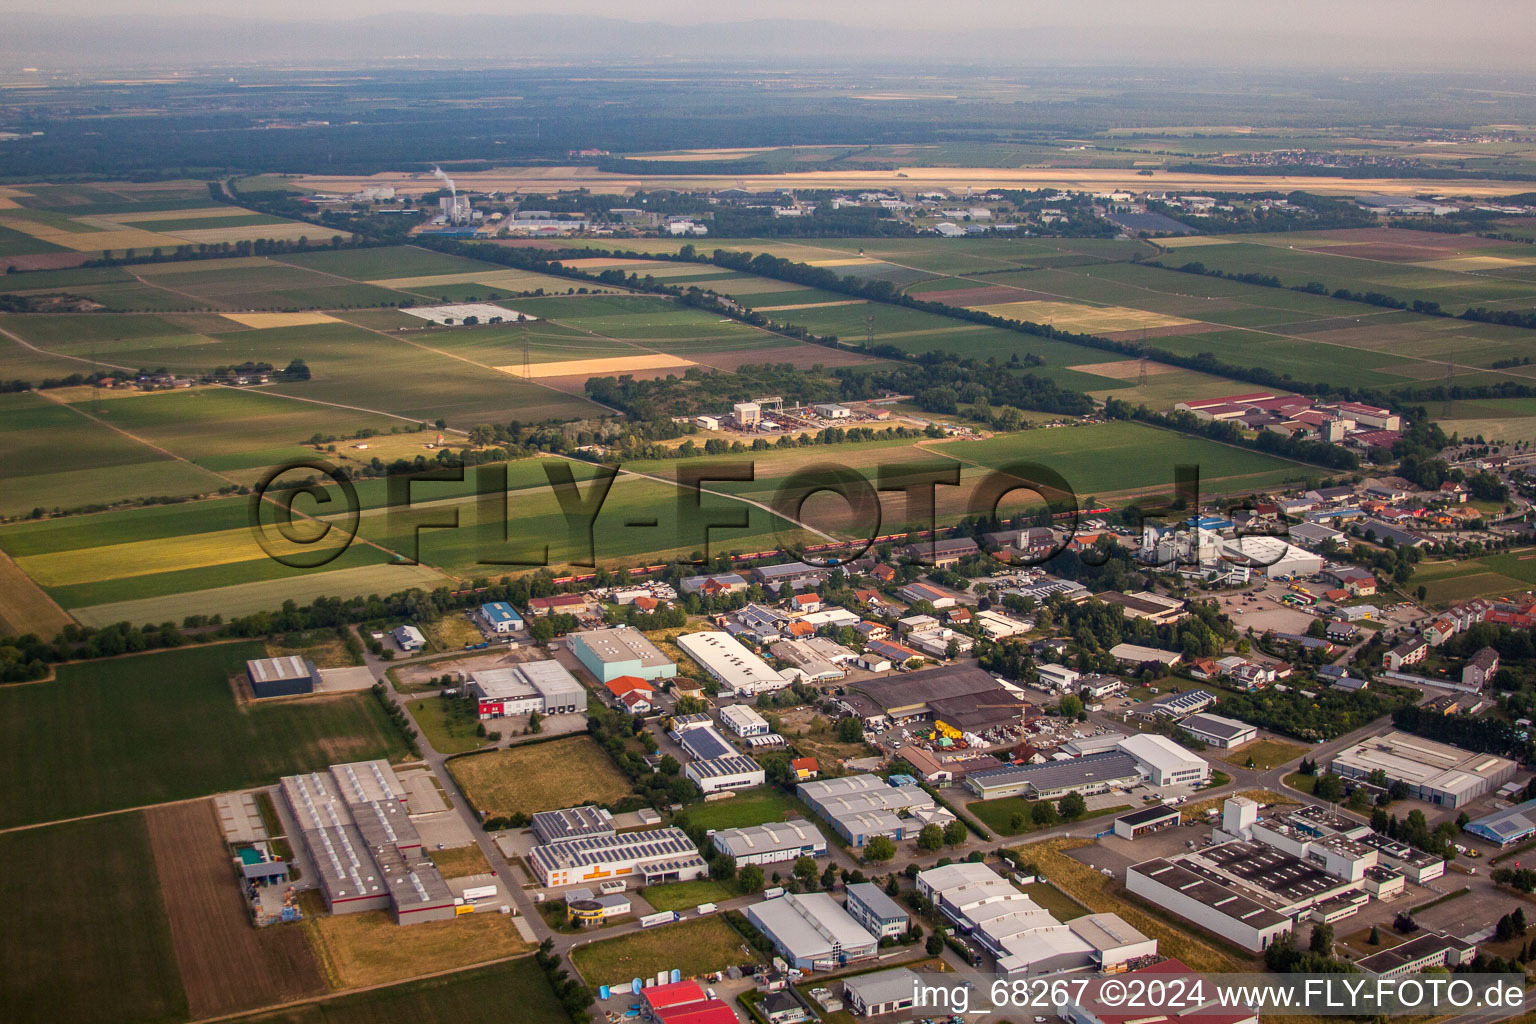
(226, 963)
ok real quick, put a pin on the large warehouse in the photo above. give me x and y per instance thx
(658, 855)
(860, 807)
(1095, 773)
(621, 651)
(364, 847)
(740, 672)
(542, 686)
(1236, 914)
(812, 932)
(913, 694)
(282, 677)
(771, 843)
(1218, 731)
(1433, 772)
(1023, 936)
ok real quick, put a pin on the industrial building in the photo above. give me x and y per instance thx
(596, 909)
(1022, 935)
(716, 765)
(963, 699)
(1148, 819)
(1433, 949)
(655, 856)
(1433, 772)
(1165, 763)
(1178, 705)
(812, 932)
(1095, 773)
(772, 843)
(366, 852)
(621, 651)
(876, 912)
(881, 992)
(500, 618)
(542, 686)
(572, 823)
(740, 672)
(1170, 973)
(744, 721)
(860, 807)
(1506, 827)
(1225, 733)
(1134, 654)
(1415, 865)
(684, 1002)
(1206, 899)
(282, 677)
(408, 638)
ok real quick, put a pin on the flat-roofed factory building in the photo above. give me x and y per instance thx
(772, 843)
(366, 852)
(621, 651)
(655, 856)
(1433, 772)
(282, 677)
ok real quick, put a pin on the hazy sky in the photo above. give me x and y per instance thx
(1381, 19)
(1336, 34)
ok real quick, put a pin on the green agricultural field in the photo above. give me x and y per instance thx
(86, 935)
(639, 520)
(19, 243)
(244, 428)
(1405, 264)
(362, 571)
(478, 996)
(385, 263)
(165, 726)
(1122, 458)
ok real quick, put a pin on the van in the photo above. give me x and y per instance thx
(773, 893)
(707, 908)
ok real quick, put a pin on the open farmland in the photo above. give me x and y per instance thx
(479, 996)
(371, 949)
(539, 777)
(150, 728)
(86, 936)
(210, 925)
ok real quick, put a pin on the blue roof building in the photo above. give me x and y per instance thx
(501, 617)
(1510, 825)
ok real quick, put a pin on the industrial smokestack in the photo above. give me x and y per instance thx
(437, 172)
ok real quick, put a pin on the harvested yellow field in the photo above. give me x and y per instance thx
(91, 241)
(1124, 369)
(7, 203)
(24, 607)
(11, 192)
(810, 305)
(1074, 316)
(848, 261)
(370, 949)
(600, 367)
(1189, 240)
(278, 232)
(1464, 263)
(262, 321)
(163, 554)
